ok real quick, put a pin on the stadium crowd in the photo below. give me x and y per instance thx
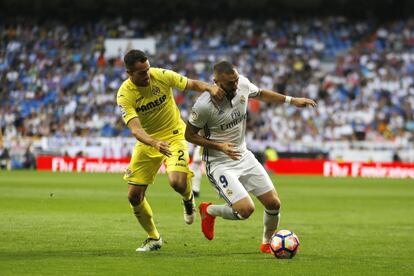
(56, 81)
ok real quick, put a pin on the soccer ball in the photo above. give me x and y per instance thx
(284, 244)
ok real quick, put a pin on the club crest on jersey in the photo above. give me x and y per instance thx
(242, 99)
(156, 90)
(229, 192)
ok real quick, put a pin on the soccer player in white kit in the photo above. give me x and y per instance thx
(230, 166)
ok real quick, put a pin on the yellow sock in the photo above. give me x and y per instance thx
(188, 191)
(143, 213)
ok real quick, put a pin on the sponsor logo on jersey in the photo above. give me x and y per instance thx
(235, 114)
(150, 105)
(234, 122)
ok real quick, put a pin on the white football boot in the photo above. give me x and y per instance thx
(150, 244)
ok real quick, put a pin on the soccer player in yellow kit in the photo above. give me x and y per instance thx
(149, 110)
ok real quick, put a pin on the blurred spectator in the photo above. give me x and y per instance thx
(29, 159)
(5, 160)
(396, 157)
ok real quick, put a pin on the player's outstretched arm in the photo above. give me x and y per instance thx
(270, 96)
(141, 135)
(200, 86)
(191, 135)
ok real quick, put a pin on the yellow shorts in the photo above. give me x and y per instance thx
(146, 161)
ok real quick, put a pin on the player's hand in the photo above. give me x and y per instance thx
(303, 102)
(163, 147)
(217, 93)
(231, 150)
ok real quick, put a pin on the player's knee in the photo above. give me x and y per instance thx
(273, 204)
(135, 198)
(178, 186)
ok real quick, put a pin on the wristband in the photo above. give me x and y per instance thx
(288, 99)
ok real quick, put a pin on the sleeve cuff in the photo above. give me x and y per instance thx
(194, 125)
(126, 122)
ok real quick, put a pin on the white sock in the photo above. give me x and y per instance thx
(197, 178)
(224, 211)
(271, 222)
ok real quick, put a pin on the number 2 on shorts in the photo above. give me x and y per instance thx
(180, 157)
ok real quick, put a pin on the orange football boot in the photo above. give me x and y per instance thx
(207, 221)
(265, 248)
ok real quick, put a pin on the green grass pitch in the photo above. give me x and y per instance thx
(81, 224)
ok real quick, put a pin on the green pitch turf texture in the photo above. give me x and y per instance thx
(81, 224)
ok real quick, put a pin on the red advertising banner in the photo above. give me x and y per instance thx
(296, 166)
(80, 164)
(281, 166)
(342, 169)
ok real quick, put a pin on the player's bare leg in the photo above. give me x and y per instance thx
(143, 213)
(271, 217)
(181, 183)
(242, 209)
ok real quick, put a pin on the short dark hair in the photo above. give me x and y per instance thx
(223, 67)
(133, 56)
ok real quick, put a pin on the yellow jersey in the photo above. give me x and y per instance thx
(154, 105)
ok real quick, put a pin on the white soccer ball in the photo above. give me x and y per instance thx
(284, 244)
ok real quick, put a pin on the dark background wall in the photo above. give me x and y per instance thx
(169, 10)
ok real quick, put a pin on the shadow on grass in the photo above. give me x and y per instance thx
(193, 254)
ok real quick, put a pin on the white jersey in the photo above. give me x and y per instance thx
(225, 122)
